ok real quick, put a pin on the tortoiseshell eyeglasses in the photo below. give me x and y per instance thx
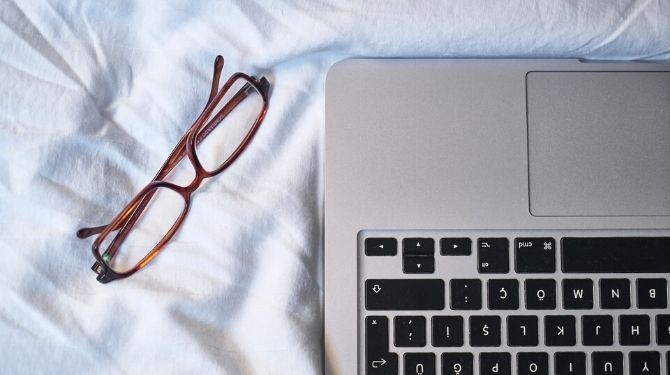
(218, 136)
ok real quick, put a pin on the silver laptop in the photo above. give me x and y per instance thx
(497, 217)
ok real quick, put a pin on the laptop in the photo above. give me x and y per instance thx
(497, 217)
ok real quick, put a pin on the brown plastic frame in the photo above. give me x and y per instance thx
(126, 219)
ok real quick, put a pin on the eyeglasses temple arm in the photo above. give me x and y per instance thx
(179, 151)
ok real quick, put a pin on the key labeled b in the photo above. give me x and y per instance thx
(652, 293)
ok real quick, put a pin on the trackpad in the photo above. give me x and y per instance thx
(599, 143)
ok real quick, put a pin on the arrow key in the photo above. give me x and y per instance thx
(418, 246)
(381, 246)
(455, 246)
(418, 264)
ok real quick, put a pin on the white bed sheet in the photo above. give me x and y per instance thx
(94, 96)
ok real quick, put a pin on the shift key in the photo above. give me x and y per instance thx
(404, 294)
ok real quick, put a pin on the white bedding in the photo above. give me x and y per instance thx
(93, 97)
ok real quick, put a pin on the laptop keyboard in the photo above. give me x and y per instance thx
(513, 303)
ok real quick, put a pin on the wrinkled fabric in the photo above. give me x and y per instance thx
(95, 94)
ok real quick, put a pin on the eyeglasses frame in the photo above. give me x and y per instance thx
(128, 216)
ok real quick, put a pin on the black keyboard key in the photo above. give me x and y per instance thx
(578, 294)
(652, 293)
(381, 246)
(597, 330)
(419, 364)
(615, 293)
(466, 294)
(410, 331)
(535, 255)
(456, 246)
(616, 255)
(418, 255)
(383, 364)
(418, 264)
(493, 255)
(541, 294)
(663, 329)
(378, 358)
(533, 364)
(376, 335)
(457, 364)
(495, 364)
(503, 294)
(485, 331)
(447, 331)
(405, 294)
(634, 330)
(522, 330)
(418, 246)
(607, 363)
(570, 363)
(645, 363)
(560, 330)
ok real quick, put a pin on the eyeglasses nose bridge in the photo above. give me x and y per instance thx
(187, 190)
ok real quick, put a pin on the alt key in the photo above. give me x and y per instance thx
(493, 255)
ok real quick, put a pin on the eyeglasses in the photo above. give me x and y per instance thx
(216, 139)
